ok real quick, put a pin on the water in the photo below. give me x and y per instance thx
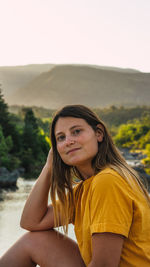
(11, 207)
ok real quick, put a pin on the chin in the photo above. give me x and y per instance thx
(73, 163)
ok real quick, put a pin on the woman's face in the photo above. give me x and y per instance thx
(77, 142)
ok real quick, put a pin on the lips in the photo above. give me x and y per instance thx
(72, 150)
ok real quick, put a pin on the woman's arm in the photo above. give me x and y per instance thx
(106, 249)
(37, 215)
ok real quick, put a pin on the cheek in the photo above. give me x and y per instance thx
(60, 148)
(93, 147)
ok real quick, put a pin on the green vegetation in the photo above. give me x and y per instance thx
(136, 136)
(5, 147)
(22, 142)
(10, 139)
(35, 146)
(115, 116)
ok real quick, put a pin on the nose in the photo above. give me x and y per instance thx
(69, 140)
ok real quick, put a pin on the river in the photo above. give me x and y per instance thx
(11, 205)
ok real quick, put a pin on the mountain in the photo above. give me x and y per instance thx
(94, 86)
(14, 77)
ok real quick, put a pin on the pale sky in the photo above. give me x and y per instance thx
(97, 32)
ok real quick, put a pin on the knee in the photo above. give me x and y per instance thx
(27, 240)
(32, 240)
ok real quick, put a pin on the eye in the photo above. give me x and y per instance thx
(76, 132)
(60, 138)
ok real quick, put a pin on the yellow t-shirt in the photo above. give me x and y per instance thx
(107, 203)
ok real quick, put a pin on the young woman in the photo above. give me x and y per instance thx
(109, 207)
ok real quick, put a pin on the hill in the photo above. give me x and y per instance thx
(94, 86)
(14, 77)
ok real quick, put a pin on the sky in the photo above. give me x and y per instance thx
(96, 32)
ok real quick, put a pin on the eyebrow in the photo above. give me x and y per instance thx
(70, 129)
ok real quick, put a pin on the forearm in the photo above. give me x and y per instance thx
(37, 202)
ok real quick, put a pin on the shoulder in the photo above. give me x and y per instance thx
(108, 179)
(110, 189)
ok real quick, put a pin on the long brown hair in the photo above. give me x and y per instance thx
(62, 174)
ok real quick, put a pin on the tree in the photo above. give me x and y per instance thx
(9, 129)
(3, 149)
(30, 132)
(4, 115)
(35, 146)
(134, 135)
(5, 146)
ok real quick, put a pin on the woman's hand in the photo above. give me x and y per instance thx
(49, 160)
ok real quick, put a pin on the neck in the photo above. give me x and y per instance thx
(85, 172)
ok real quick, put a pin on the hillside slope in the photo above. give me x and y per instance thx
(52, 86)
(14, 77)
(95, 87)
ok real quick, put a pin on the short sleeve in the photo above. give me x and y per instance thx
(111, 207)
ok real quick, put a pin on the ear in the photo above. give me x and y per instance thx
(100, 132)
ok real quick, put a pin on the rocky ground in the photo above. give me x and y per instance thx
(9, 179)
(134, 160)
